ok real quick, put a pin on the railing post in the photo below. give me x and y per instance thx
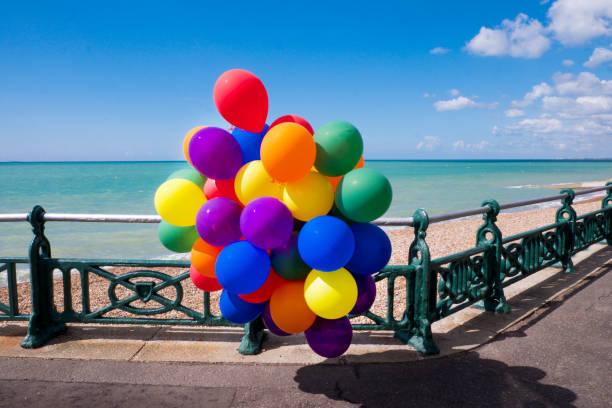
(419, 336)
(253, 337)
(44, 323)
(568, 232)
(607, 202)
(488, 234)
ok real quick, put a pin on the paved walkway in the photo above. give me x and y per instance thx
(561, 355)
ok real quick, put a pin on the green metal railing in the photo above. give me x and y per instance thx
(434, 288)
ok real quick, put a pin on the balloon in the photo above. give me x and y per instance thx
(309, 197)
(177, 201)
(218, 221)
(177, 239)
(330, 338)
(363, 195)
(372, 249)
(205, 283)
(269, 323)
(249, 142)
(242, 268)
(242, 100)
(294, 119)
(215, 153)
(266, 222)
(220, 188)
(366, 294)
(253, 181)
(334, 181)
(203, 258)
(288, 152)
(189, 174)
(360, 164)
(339, 148)
(330, 295)
(287, 262)
(326, 243)
(264, 293)
(289, 310)
(187, 139)
(237, 310)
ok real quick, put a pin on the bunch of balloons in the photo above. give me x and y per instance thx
(278, 217)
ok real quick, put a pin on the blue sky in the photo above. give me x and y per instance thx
(421, 80)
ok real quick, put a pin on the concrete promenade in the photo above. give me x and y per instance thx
(555, 349)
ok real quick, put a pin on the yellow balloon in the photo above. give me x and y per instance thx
(177, 201)
(309, 197)
(330, 295)
(253, 181)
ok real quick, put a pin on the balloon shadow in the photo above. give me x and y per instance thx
(462, 380)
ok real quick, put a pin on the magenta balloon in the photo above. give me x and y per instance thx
(218, 221)
(330, 338)
(266, 223)
(366, 294)
(215, 153)
(269, 323)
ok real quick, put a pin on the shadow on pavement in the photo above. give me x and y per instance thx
(462, 380)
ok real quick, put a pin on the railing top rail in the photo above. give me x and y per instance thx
(388, 222)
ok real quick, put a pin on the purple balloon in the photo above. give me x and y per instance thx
(215, 153)
(269, 323)
(266, 223)
(218, 221)
(366, 293)
(330, 338)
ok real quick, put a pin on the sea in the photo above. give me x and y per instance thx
(129, 187)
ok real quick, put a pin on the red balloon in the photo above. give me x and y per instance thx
(220, 188)
(264, 293)
(242, 100)
(294, 119)
(204, 282)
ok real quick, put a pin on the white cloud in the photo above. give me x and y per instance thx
(575, 22)
(567, 62)
(455, 104)
(439, 50)
(599, 56)
(428, 143)
(584, 84)
(454, 92)
(514, 113)
(537, 91)
(470, 147)
(537, 125)
(523, 37)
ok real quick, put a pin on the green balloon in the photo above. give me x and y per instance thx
(339, 148)
(189, 174)
(177, 239)
(287, 262)
(363, 195)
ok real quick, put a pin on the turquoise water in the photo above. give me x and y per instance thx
(128, 188)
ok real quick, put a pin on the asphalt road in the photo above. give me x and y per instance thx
(561, 356)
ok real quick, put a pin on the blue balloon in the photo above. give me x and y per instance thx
(237, 310)
(249, 142)
(372, 249)
(242, 268)
(326, 243)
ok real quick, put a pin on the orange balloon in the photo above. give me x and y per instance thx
(336, 180)
(288, 152)
(288, 308)
(187, 139)
(203, 258)
(264, 293)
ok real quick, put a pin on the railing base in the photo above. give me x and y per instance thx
(421, 344)
(42, 336)
(253, 338)
(493, 305)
